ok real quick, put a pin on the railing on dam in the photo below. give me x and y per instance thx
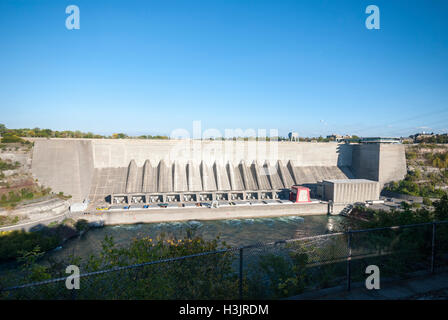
(264, 271)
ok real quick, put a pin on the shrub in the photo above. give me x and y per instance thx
(410, 155)
(7, 165)
(14, 243)
(81, 225)
(410, 187)
(11, 138)
(441, 208)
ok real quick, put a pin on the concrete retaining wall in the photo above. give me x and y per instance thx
(396, 195)
(64, 166)
(379, 162)
(95, 168)
(185, 214)
(119, 153)
(392, 166)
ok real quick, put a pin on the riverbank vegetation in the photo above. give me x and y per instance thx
(407, 214)
(272, 271)
(405, 249)
(210, 271)
(15, 244)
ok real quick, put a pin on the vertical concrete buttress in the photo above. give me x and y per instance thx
(131, 179)
(165, 177)
(207, 176)
(285, 175)
(179, 177)
(273, 175)
(231, 174)
(238, 182)
(150, 182)
(292, 171)
(194, 177)
(223, 177)
(248, 177)
(217, 175)
(262, 178)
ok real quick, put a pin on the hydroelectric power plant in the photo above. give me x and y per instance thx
(185, 173)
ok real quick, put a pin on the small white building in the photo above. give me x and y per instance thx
(79, 206)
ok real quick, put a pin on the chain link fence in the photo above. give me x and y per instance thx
(264, 271)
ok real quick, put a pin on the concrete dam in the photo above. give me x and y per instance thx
(132, 170)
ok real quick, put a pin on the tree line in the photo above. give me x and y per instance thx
(48, 133)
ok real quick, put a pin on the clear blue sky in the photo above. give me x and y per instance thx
(154, 66)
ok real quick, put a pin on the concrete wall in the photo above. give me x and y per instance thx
(63, 165)
(392, 165)
(396, 195)
(179, 177)
(365, 161)
(119, 153)
(185, 214)
(379, 162)
(96, 168)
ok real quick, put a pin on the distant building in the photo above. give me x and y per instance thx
(407, 140)
(373, 140)
(293, 136)
(338, 137)
(380, 140)
(418, 137)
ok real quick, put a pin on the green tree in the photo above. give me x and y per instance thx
(441, 208)
(427, 201)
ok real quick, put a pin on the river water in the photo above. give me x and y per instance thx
(235, 232)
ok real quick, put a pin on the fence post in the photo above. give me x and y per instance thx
(433, 247)
(349, 258)
(73, 294)
(241, 275)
